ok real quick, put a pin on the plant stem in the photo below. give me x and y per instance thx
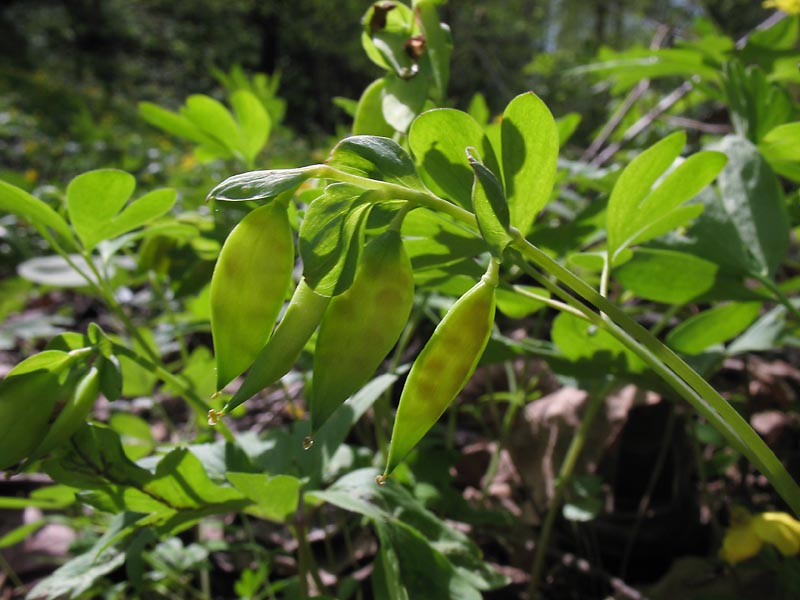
(675, 372)
(779, 296)
(179, 384)
(594, 402)
(668, 365)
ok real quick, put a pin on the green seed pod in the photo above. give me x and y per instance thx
(73, 414)
(444, 366)
(362, 325)
(249, 284)
(300, 320)
(28, 396)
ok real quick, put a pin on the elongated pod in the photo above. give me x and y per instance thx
(248, 287)
(28, 395)
(362, 325)
(444, 366)
(301, 318)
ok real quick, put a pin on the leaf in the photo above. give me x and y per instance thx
(438, 45)
(276, 498)
(645, 202)
(667, 275)
(753, 199)
(181, 482)
(438, 139)
(387, 27)
(19, 534)
(78, 575)
(174, 123)
(566, 126)
(376, 158)
(331, 237)
(489, 204)
(253, 121)
(530, 150)
(478, 109)
(712, 326)
(432, 240)
(95, 202)
(260, 185)
(213, 119)
(369, 119)
(402, 100)
(582, 342)
(516, 305)
(756, 106)
(18, 202)
(782, 151)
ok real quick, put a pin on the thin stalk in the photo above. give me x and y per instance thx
(675, 372)
(165, 302)
(179, 384)
(673, 310)
(593, 405)
(305, 559)
(644, 502)
(561, 306)
(12, 575)
(779, 296)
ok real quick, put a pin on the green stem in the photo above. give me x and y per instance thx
(779, 296)
(675, 372)
(176, 382)
(593, 405)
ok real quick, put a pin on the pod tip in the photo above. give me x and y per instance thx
(308, 442)
(214, 416)
(380, 479)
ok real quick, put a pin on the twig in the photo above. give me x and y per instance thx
(670, 99)
(634, 95)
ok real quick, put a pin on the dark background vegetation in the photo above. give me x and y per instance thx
(71, 71)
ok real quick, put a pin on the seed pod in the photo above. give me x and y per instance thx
(28, 395)
(249, 284)
(444, 366)
(301, 318)
(362, 325)
(73, 414)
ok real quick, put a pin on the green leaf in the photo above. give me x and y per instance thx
(78, 575)
(756, 106)
(181, 482)
(667, 275)
(260, 185)
(19, 534)
(387, 28)
(516, 305)
(530, 150)
(276, 498)
(713, 326)
(582, 342)
(386, 579)
(752, 197)
(645, 202)
(331, 237)
(438, 45)
(213, 119)
(439, 138)
(171, 122)
(95, 202)
(782, 151)
(19, 202)
(369, 119)
(402, 100)
(489, 204)
(432, 240)
(478, 109)
(253, 121)
(376, 158)
(566, 126)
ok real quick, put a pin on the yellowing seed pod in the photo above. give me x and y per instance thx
(444, 366)
(250, 281)
(361, 325)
